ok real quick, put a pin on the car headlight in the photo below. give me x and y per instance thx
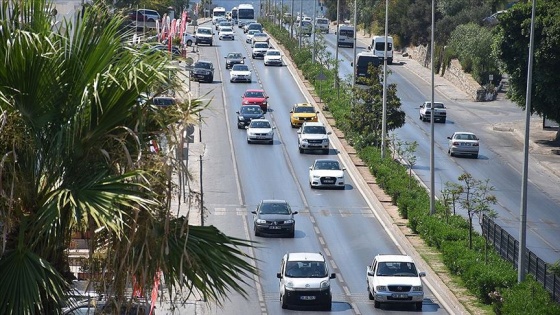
(325, 284)
(289, 221)
(264, 102)
(325, 140)
(417, 288)
(289, 285)
(245, 102)
(261, 221)
(380, 288)
(316, 177)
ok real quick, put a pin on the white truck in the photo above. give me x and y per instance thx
(313, 136)
(394, 279)
(440, 112)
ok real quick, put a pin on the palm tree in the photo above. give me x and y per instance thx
(75, 157)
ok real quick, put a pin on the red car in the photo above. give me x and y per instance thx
(255, 97)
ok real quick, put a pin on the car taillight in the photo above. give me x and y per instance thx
(456, 143)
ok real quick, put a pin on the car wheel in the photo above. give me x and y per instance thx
(240, 127)
(475, 156)
(311, 185)
(443, 120)
(248, 141)
(271, 142)
(326, 151)
(292, 233)
(327, 307)
(283, 301)
(257, 233)
(211, 80)
(418, 306)
(189, 42)
(376, 304)
(370, 296)
(451, 153)
(252, 56)
(300, 150)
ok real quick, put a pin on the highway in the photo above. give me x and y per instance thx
(339, 223)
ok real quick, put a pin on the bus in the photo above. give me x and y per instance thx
(245, 13)
(234, 15)
(345, 35)
(218, 12)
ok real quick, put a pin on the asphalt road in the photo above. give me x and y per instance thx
(339, 223)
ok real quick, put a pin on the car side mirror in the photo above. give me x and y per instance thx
(254, 212)
(332, 276)
(278, 275)
(237, 112)
(449, 138)
(291, 112)
(422, 274)
(310, 168)
(299, 132)
(351, 64)
(267, 96)
(317, 112)
(329, 132)
(370, 271)
(295, 212)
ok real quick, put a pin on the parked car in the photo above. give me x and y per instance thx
(463, 143)
(326, 173)
(234, 58)
(255, 97)
(305, 281)
(273, 57)
(394, 279)
(164, 101)
(247, 113)
(203, 71)
(144, 15)
(260, 130)
(175, 51)
(188, 39)
(274, 217)
(240, 73)
(302, 112)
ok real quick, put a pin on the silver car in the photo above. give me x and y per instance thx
(260, 130)
(463, 143)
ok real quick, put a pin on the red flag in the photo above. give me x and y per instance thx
(183, 25)
(157, 279)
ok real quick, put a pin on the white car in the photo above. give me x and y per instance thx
(226, 33)
(188, 39)
(250, 36)
(259, 37)
(259, 50)
(260, 130)
(240, 73)
(394, 279)
(326, 173)
(463, 143)
(273, 57)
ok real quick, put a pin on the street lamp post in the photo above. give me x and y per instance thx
(337, 38)
(521, 263)
(384, 115)
(292, 21)
(300, 22)
(432, 141)
(355, 42)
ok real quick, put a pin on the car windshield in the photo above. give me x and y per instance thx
(274, 207)
(204, 65)
(273, 53)
(254, 94)
(252, 32)
(314, 130)
(304, 109)
(322, 21)
(260, 124)
(226, 29)
(397, 269)
(235, 56)
(327, 165)
(240, 68)
(261, 45)
(306, 269)
(436, 105)
(251, 110)
(204, 31)
(465, 136)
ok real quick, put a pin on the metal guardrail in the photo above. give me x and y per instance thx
(508, 247)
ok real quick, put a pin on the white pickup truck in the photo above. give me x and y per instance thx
(440, 113)
(394, 279)
(313, 136)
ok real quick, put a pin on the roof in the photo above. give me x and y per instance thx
(254, 90)
(393, 258)
(271, 200)
(305, 257)
(303, 105)
(313, 123)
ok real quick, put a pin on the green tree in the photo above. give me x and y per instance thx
(366, 114)
(512, 49)
(473, 46)
(75, 157)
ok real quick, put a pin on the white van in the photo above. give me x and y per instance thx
(378, 47)
(346, 35)
(322, 24)
(218, 12)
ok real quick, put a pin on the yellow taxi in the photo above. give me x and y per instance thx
(302, 112)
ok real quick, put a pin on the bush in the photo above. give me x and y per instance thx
(528, 297)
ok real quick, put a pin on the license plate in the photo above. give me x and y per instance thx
(274, 227)
(328, 181)
(466, 144)
(307, 298)
(399, 296)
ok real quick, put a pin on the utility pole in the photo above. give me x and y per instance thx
(292, 21)
(355, 42)
(300, 22)
(314, 29)
(523, 209)
(432, 136)
(337, 38)
(384, 115)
